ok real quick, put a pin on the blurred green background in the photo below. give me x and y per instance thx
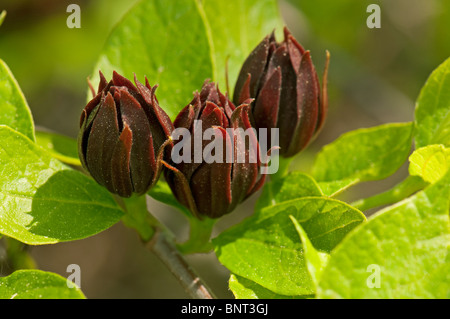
(375, 77)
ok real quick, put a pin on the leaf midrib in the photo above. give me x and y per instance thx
(63, 201)
(209, 37)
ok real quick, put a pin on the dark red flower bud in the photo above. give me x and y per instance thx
(123, 135)
(210, 187)
(283, 81)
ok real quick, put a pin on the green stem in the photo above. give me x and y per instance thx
(404, 189)
(17, 255)
(138, 217)
(199, 236)
(283, 167)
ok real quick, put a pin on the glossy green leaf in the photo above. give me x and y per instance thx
(333, 188)
(433, 109)
(364, 155)
(401, 252)
(243, 288)
(322, 18)
(37, 284)
(165, 41)
(266, 249)
(235, 28)
(292, 186)
(315, 260)
(44, 201)
(14, 110)
(179, 44)
(430, 162)
(60, 147)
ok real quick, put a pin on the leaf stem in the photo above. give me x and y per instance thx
(404, 189)
(17, 255)
(199, 236)
(283, 167)
(138, 217)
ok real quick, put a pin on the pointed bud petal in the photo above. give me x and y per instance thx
(119, 80)
(180, 188)
(103, 134)
(323, 105)
(246, 153)
(143, 162)
(267, 104)
(120, 164)
(245, 91)
(255, 65)
(307, 101)
(103, 83)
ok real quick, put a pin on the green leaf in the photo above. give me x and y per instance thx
(165, 41)
(179, 44)
(430, 162)
(292, 186)
(405, 248)
(234, 29)
(266, 249)
(243, 288)
(364, 155)
(324, 24)
(433, 109)
(60, 147)
(315, 260)
(44, 201)
(14, 110)
(333, 188)
(37, 284)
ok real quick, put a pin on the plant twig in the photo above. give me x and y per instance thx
(160, 241)
(165, 249)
